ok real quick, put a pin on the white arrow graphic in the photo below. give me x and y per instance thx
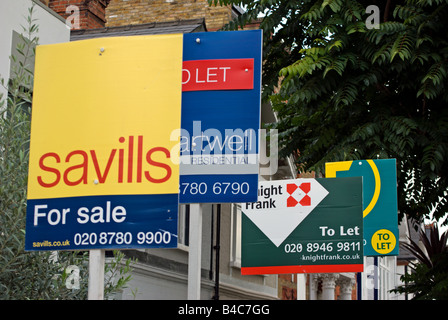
(282, 205)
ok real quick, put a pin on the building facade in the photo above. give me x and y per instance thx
(13, 13)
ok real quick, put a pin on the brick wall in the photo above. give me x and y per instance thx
(92, 13)
(287, 286)
(125, 12)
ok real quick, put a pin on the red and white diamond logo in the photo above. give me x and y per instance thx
(282, 205)
(298, 194)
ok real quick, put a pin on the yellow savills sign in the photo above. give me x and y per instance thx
(102, 117)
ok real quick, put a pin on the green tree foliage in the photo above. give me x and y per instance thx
(349, 92)
(429, 277)
(33, 275)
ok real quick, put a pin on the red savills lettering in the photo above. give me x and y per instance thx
(49, 169)
(218, 74)
(80, 163)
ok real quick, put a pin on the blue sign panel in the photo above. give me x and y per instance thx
(102, 222)
(220, 120)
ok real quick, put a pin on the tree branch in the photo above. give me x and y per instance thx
(386, 11)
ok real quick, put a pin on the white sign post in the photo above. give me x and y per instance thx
(194, 252)
(96, 274)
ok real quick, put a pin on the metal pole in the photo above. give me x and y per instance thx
(212, 245)
(359, 285)
(375, 279)
(217, 247)
(96, 274)
(194, 252)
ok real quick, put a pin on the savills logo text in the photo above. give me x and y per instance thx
(128, 165)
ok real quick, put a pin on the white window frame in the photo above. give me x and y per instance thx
(183, 227)
(235, 238)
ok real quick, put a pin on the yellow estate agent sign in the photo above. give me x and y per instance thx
(100, 165)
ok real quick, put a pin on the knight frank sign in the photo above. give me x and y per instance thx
(303, 226)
